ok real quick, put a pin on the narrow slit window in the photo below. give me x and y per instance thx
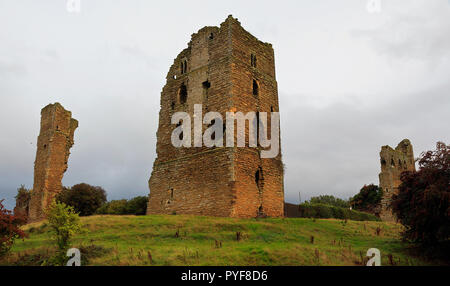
(253, 60)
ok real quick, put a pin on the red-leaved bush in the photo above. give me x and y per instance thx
(9, 229)
(422, 204)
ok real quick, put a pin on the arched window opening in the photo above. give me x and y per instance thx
(383, 162)
(211, 36)
(206, 85)
(183, 94)
(392, 163)
(260, 211)
(183, 67)
(255, 88)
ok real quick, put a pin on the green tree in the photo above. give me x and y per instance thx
(23, 198)
(134, 206)
(64, 223)
(330, 200)
(422, 204)
(137, 205)
(84, 198)
(368, 197)
(115, 207)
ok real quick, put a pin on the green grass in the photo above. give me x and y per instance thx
(131, 240)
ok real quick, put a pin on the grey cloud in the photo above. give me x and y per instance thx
(108, 66)
(12, 69)
(334, 150)
(419, 34)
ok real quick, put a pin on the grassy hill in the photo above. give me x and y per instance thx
(191, 240)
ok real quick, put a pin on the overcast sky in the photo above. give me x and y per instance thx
(349, 82)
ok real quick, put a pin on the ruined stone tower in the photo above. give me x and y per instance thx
(53, 145)
(393, 164)
(225, 69)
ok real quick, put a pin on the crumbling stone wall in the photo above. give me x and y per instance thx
(53, 150)
(393, 163)
(218, 70)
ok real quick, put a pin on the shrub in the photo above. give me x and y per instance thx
(330, 200)
(84, 198)
(116, 207)
(135, 206)
(368, 197)
(64, 223)
(23, 198)
(422, 204)
(326, 211)
(9, 229)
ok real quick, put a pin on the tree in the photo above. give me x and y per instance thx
(23, 198)
(330, 200)
(9, 229)
(134, 206)
(368, 197)
(115, 207)
(422, 204)
(137, 205)
(64, 223)
(84, 198)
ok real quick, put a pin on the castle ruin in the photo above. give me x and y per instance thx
(393, 163)
(53, 146)
(225, 69)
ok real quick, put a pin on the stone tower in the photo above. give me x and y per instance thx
(53, 145)
(393, 164)
(225, 69)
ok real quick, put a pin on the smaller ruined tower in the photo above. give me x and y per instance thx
(53, 145)
(393, 164)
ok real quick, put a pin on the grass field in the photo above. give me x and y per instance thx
(191, 240)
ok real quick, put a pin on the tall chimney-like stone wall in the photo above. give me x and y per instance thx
(52, 155)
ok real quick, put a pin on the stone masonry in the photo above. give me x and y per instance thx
(53, 145)
(393, 164)
(225, 69)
